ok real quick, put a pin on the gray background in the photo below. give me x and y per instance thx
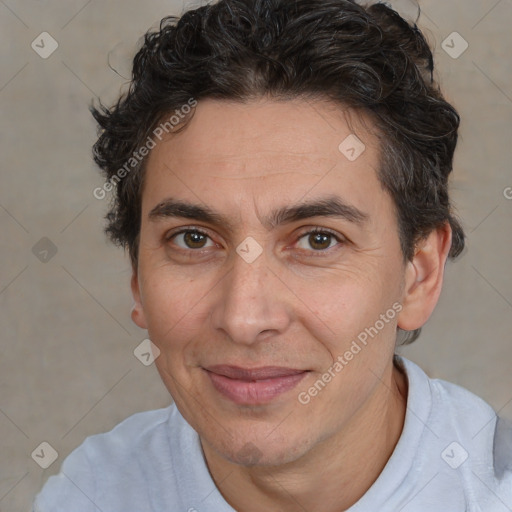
(67, 368)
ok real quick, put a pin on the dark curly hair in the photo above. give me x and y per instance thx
(363, 57)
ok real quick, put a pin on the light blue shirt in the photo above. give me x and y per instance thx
(454, 455)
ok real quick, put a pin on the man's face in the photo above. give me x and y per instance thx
(209, 298)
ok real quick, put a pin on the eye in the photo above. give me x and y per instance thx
(191, 239)
(320, 239)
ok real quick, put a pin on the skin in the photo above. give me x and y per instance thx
(205, 305)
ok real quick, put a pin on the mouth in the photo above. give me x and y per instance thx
(253, 386)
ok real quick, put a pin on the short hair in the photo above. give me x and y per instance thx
(366, 58)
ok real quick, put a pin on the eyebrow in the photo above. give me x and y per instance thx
(331, 206)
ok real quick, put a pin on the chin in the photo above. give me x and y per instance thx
(264, 452)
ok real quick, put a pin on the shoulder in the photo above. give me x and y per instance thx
(464, 438)
(460, 403)
(104, 462)
(450, 405)
(488, 435)
(126, 438)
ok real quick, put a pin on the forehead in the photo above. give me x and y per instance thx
(265, 151)
(298, 128)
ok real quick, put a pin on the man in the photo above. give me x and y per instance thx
(281, 173)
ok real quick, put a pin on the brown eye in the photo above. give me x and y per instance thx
(320, 241)
(191, 239)
(317, 240)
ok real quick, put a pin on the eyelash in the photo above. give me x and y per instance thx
(317, 253)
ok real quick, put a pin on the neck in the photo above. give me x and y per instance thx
(332, 476)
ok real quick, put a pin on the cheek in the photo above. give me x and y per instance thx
(174, 308)
(342, 301)
(347, 320)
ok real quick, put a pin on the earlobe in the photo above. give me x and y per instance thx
(137, 313)
(424, 278)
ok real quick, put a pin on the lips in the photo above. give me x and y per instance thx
(253, 386)
(253, 374)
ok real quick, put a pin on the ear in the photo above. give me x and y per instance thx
(424, 278)
(137, 314)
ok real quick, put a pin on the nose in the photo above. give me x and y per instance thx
(250, 302)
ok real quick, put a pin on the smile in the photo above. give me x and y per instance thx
(253, 386)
